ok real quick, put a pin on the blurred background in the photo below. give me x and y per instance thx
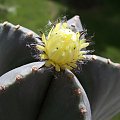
(99, 17)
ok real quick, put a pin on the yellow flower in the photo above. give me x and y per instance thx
(62, 47)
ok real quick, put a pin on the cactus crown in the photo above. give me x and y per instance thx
(62, 48)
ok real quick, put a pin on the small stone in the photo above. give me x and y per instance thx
(2, 87)
(108, 61)
(5, 23)
(19, 77)
(34, 69)
(71, 76)
(83, 110)
(17, 27)
(94, 57)
(30, 34)
(78, 91)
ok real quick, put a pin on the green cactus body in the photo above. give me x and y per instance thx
(13, 50)
(30, 91)
(40, 91)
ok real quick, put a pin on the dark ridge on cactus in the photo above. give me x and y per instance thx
(66, 99)
(22, 98)
(101, 80)
(13, 49)
(30, 93)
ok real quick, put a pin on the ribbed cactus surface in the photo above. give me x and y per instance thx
(13, 49)
(31, 91)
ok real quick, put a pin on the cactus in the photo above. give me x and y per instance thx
(31, 91)
(40, 93)
(100, 79)
(13, 50)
